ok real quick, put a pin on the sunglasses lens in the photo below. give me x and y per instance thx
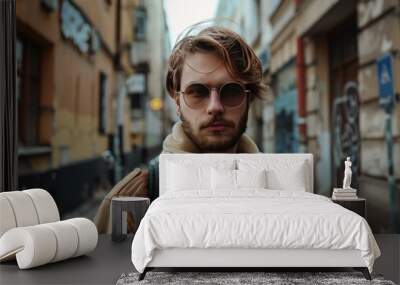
(232, 94)
(196, 95)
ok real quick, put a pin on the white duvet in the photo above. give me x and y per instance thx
(253, 218)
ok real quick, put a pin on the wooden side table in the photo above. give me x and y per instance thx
(119, 207)
(358, 206)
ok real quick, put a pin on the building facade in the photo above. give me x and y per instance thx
(77, 125)
(334, 49)
(330, 65)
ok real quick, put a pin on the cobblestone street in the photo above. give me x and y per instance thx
(89, 208)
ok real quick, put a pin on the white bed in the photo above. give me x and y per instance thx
(247, 226)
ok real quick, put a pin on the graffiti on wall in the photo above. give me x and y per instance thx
(285, 138)
(286, 130)
(346, 132)
(285, 110)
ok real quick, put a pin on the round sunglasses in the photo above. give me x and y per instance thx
(197, 95)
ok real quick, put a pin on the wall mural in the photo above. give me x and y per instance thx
(346, 132)
(285, 138)
(285, 106)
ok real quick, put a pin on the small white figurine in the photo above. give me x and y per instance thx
(347, 174)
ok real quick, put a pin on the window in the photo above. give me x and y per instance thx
(103, 98)
(64, 154)
(136, 100)
(139, 30)
(28, 57)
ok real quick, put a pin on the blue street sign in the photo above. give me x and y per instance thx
(386, 80)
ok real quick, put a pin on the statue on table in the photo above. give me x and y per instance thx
(347, 174)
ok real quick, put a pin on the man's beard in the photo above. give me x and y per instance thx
(203, 143)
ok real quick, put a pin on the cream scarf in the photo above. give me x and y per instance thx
(179, 142)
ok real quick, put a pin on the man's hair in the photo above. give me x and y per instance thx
(239, 58)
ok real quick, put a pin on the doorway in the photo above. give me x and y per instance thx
(344, 99)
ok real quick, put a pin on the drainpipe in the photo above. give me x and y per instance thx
(301, 94)
(118, 135)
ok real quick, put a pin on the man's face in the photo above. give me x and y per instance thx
(215, 127)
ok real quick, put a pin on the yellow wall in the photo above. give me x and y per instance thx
(70, 81)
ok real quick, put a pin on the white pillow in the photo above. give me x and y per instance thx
(183, 178)
(223, 179)
(251, 178)
(283, 174)
(193, 174)
(236, 179)
(296, 181)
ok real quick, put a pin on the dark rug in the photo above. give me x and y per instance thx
(228, 278)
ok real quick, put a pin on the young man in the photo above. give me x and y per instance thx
(212, 78)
